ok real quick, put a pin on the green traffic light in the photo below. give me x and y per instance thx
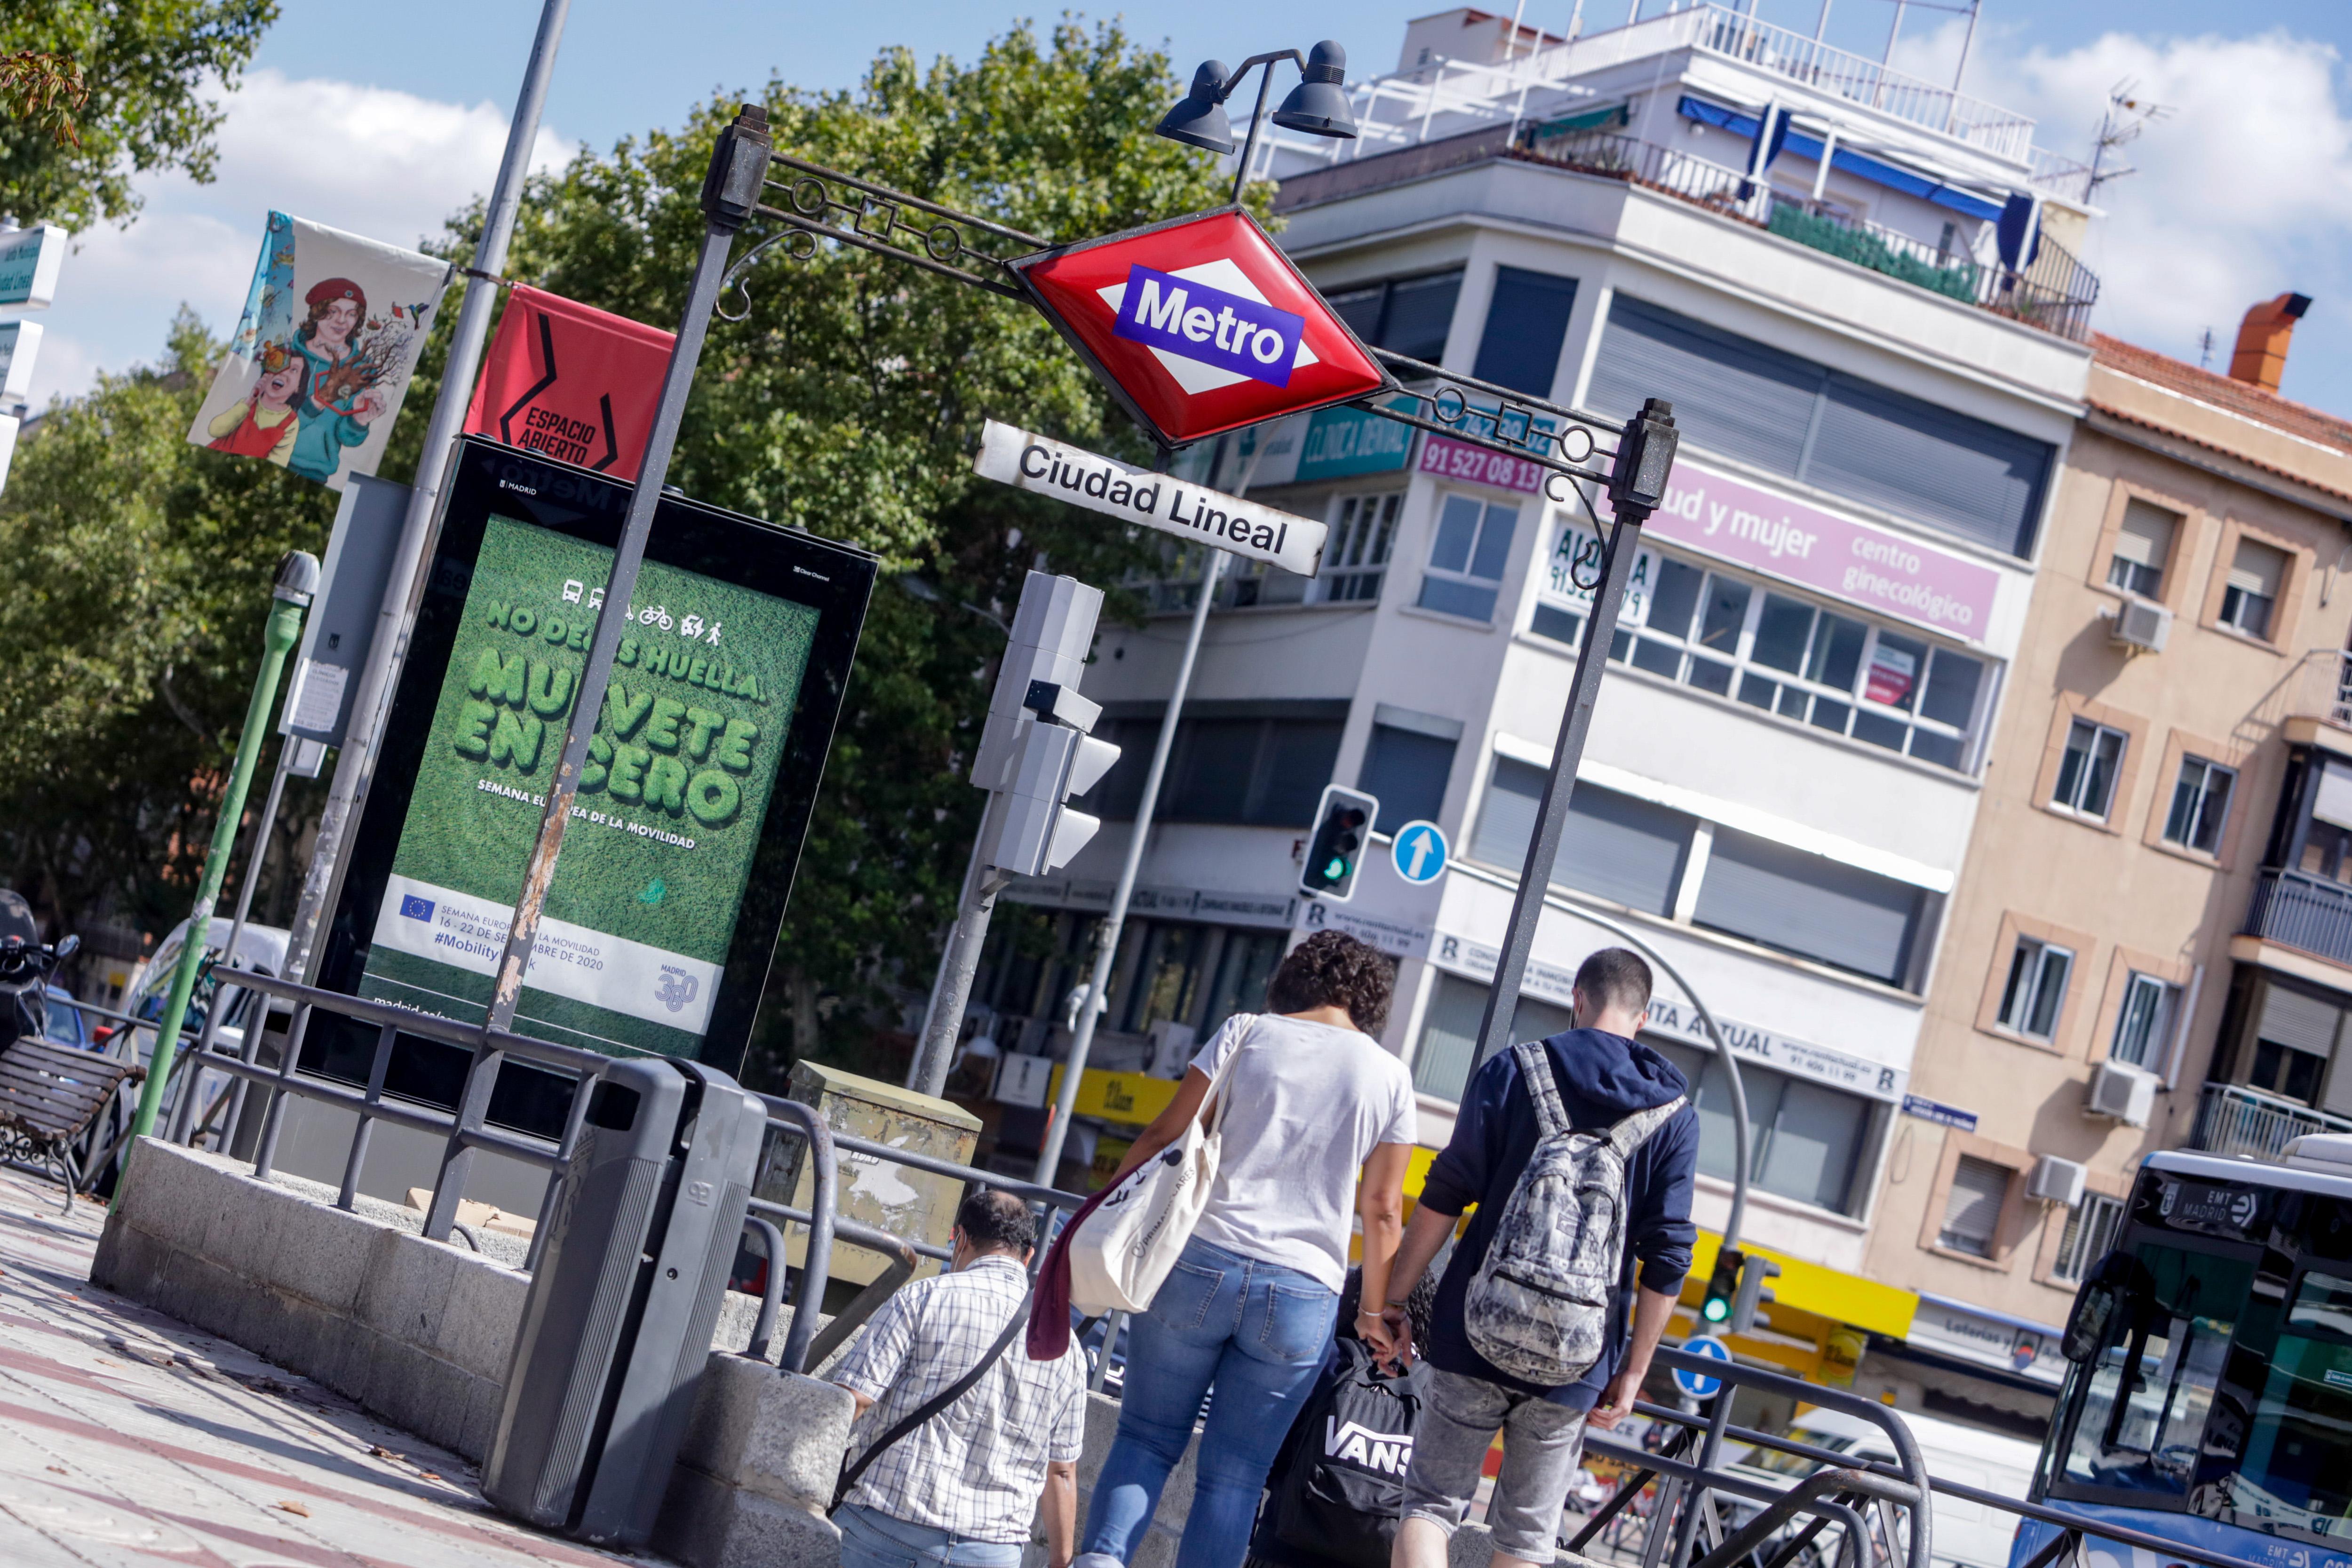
(1334, 870)
(1716, 1308)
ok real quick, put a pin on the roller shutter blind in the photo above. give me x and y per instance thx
(2145, 536)
(1973, 1210)
(1612, 844)
(1948, 471)
(1731, 396)
(2303, 1023)
(1809, 906)
(1526, 322)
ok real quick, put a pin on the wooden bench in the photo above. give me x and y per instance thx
(49, 1094)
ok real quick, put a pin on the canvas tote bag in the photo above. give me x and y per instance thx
(1126, 1246)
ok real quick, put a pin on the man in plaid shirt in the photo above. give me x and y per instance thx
(960, 1490)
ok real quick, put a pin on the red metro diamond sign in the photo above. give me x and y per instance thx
(1200, 325)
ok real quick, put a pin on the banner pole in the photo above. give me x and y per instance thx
(355, 762)
(738, 167)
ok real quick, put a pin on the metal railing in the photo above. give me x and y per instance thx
(2055, 292)
(467, 1130)
(2303, 911)
(2234, 1120)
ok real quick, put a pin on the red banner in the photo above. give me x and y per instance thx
(572, 382)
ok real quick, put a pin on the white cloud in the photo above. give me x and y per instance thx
(2243, 187)
(386, 164)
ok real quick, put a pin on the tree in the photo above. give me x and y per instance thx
(849, 402)
(96, 93)
(139, 573)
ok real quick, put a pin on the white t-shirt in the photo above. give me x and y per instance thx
(1307, 1102)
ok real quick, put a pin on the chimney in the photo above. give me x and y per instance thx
(2260, 356)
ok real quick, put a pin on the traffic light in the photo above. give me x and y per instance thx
(1753, 1293)
(1722, 1286)
(1343, 822)
(1036, 751)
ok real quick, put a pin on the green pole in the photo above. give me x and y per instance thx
(297, 579)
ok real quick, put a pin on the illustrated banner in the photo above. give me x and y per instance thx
(575, 383)
(323, 353)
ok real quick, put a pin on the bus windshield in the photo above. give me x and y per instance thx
(2142, 1416)
(2294, 1468)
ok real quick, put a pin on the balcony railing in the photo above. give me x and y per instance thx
(2295, 909)
(2055, 292)
(2234, 1120)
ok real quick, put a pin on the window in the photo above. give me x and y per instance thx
(1972, 1209)
(1957, 474)
(2252, 590)
(1466, 557)
(1806, 1140)
(2090, 1235)
(1449, 1033)
(1613, 846)
(2143, 544)
(2295, 1441)
(2034, 995)
(1810, 906)
(1810, 665)
(1409, 316)
(2294, 1036)
(1256, 764)
(1406, 768)
(1526, 322)
(2144, 1023)
(2201, 805)
(2147, 1395)
(2086, 772)
(1357, 556)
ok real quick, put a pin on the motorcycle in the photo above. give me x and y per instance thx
(26, 965)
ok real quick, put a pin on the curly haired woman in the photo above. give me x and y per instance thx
(1314, 1102)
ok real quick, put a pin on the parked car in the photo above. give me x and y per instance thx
(66, 1025)
(1967, 1535)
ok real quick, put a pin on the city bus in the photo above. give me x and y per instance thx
(2208, 1398)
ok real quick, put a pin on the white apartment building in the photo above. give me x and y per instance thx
(1786, 761)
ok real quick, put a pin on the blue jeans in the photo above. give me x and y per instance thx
(870, 1539)
(1254, 1331)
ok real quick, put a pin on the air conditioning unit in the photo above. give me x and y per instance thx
(2055, 1181)
(2121, 1093)
(2141, 624)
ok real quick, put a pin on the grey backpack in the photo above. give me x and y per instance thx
(1537, 1307)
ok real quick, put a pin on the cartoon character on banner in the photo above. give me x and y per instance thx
(349, 353)
(266, 423)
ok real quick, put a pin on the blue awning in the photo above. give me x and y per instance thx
(1859, 164)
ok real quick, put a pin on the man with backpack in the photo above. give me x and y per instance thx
(1578, 1151)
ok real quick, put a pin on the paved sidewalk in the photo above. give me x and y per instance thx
(127, 1436)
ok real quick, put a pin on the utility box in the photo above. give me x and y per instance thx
(617, 1325)
(919, 1206)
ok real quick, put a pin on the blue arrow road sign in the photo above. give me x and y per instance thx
(1419, 850)
(1697, 1384)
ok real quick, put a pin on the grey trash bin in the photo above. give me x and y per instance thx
(618, 1321)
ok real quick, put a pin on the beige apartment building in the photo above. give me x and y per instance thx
(2150, 943)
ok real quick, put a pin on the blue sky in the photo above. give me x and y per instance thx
(384, 120)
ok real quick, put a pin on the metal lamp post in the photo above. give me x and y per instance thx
(1317, 106)
(297, 579)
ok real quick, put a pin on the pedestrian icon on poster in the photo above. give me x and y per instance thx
(1419, 851)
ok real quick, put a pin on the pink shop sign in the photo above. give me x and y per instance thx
(1875, 568)
(1452, 459)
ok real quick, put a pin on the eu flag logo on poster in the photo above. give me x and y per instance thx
(415, 907)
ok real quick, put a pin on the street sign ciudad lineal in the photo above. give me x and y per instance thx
(1028, 462)
(1200, 325)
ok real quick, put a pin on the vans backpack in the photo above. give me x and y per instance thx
(1538, 1307)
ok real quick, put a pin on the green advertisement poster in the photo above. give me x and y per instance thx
(668, 815)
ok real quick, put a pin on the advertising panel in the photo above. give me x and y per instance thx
(703, 767)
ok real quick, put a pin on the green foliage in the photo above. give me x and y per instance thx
(137, 78)
(139, 572)
(849, 402)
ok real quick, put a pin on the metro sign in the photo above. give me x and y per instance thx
(1200, 325)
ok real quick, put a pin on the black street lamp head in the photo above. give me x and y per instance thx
(1318, 104)
(1199, 118)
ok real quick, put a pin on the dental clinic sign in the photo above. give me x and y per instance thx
(1163, 501)
(1200, 326)
(1872, 568)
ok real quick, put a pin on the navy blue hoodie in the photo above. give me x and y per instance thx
(1602, 1078)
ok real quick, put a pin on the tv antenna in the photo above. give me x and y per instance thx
(2127, 114)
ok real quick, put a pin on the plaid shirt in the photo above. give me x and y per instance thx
(977, 1469)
